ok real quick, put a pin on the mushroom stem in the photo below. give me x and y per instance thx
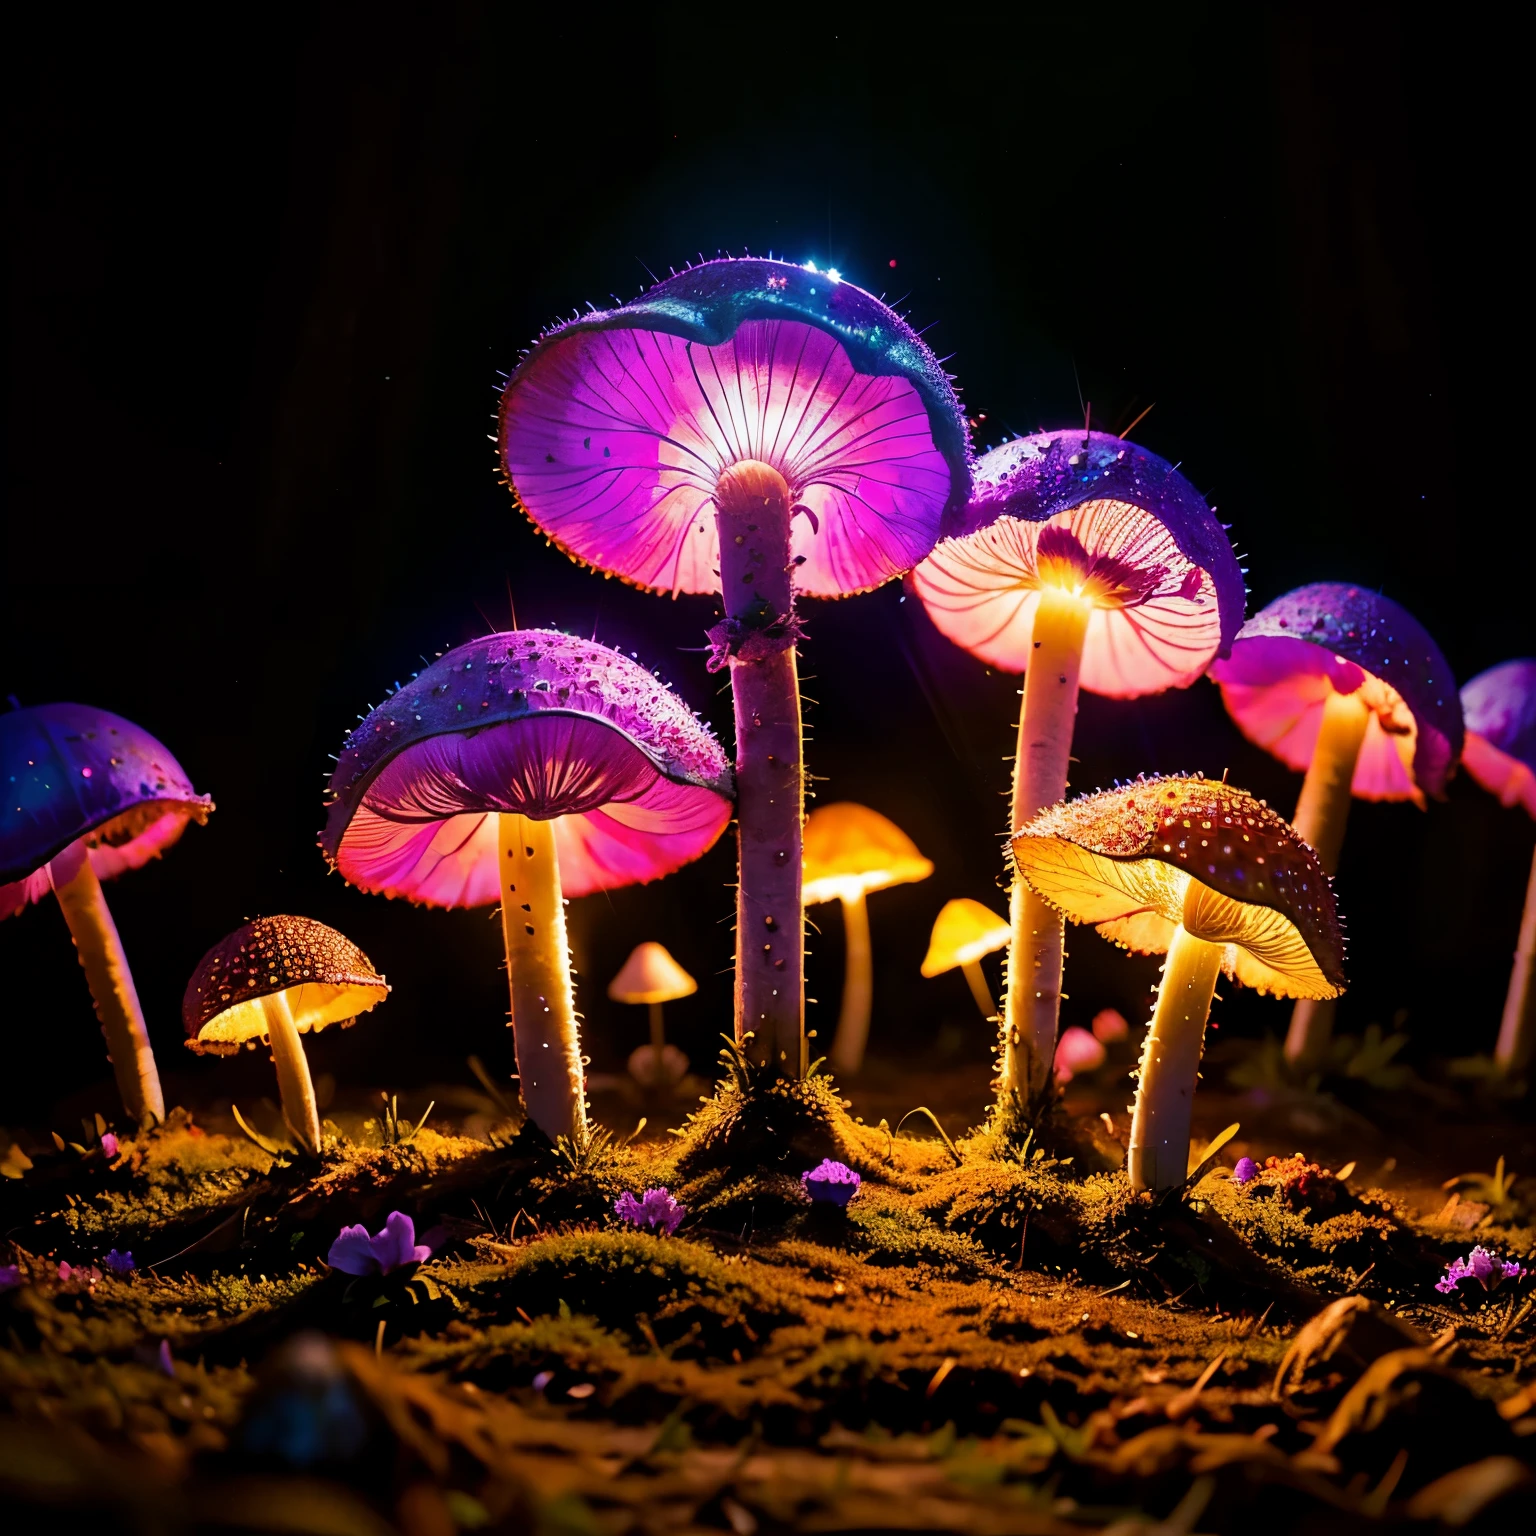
(1170, 1063)
(544, 1032)
(752, 507)
(971, 970)
(658, 1031)
(85, 910)
(1517, 1029)
(1322, 813)
(847, 1053)
(1032, 1002)
(294, 1084)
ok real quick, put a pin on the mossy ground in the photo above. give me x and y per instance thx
(985, 1341)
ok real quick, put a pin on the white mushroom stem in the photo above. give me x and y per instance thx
(106, 970)
(1032, 1002)
(1322, 813)
(1170, 1063)
(971, 970)
(848, 1045)
(294, 1084)
(1517, 1029)
(544, 1032)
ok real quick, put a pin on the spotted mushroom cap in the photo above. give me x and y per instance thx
(71, 771)
(1500, 750)
(1139, 860)
(615, 427)
(1334, 637)
(534, 722)
(327, 978)
(1108, 518)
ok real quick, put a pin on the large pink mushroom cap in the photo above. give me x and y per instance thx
(1333, 638)
(617, 426)
(72, 772)
(1103, 518)
(532, 722)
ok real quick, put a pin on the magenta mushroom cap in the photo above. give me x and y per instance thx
(616, 426)
(537, 723)
(71, 771)
(1095, 512)
(1500, 751)
(1334, 637)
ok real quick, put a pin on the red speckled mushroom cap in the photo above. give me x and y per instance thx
(1126, 860)
(617, 425)
(71, 771)
(534, 722)
(1330, 637)
(1106, 518)
(327, 978)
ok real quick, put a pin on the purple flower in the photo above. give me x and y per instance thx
(655, 1209)
(108, 1145)
(1246, 1171)
(119, 1263)
(10, 1277)
(831, 1183)
(355, 1253)
(1482, 1265)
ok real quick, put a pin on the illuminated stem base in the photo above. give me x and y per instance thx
(1517, 1029)
(848, 1045)
(974, 979)
(295, 1086)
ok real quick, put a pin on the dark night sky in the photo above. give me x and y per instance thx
(261, 284)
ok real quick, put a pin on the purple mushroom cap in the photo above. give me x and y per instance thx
(534, 722)
(1168, 590)
(1500, 752)
(831, 1182)
(71, 772)
(617, 425)
(1328, 636)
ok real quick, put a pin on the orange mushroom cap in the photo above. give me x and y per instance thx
(850, 850)
(651, 975)
(1138, 861)
(963, 931)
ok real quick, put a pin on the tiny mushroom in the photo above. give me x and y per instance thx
(1343, 685)
(652, 977)
(850, 851)
(1206, 874)
(1500, 753)
(524, 768)
(275, 979)
(1077, 1051)
(963, 932)
(90, 795)
(764, 431)
(1085, 561)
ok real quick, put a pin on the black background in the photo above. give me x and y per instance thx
(262, 280)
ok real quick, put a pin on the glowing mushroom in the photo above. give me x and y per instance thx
(652, 977)
(1500, 753)
(520, 768)
(88, 796)
(1086, 562)
(850, 851)
(963, 932)
(273, 980)
(764, 431)
(1209, 876)
(1346, 687)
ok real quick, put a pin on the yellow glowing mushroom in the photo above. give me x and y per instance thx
(963, 932)
(850, 851)
(652, 977)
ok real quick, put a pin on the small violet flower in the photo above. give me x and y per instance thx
(163, 1358)
(108, 1145)
(1246, 1171)
(1487, 1268)
(655, 1209)
(355, 1253)
(831, 1183)
(119, 1263)
(10, 1276)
